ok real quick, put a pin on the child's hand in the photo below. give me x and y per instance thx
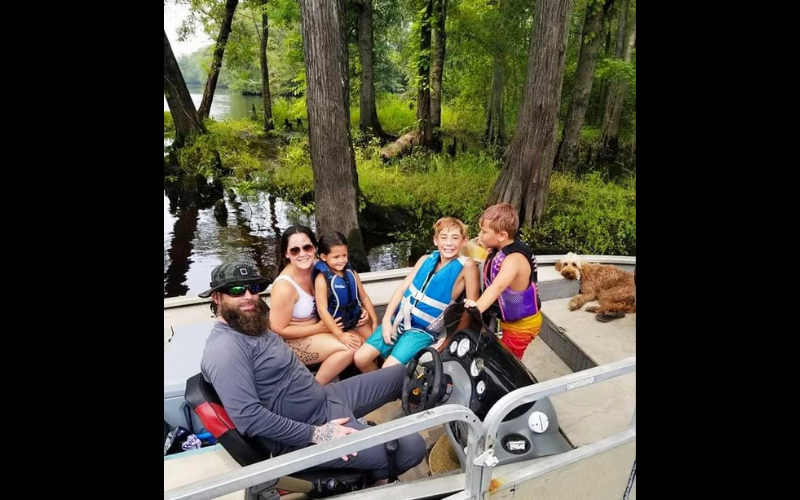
(350, 340)
(387, 333)
(363, 319)
(469, 303)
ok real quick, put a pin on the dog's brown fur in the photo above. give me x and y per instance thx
(610, 285)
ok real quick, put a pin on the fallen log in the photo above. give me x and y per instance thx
(399, 147)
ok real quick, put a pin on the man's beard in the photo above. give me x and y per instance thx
(252, 323)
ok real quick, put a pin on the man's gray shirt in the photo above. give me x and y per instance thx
(265, 389)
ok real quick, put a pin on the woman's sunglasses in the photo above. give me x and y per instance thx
(295, 251)
(238, 290)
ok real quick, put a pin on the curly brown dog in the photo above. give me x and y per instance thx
(611, 286)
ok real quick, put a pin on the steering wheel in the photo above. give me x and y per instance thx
(421, 391)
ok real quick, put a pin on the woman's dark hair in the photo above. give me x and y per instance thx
(330, 240)
(285, 241)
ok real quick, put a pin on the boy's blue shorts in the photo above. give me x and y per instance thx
(405, 347)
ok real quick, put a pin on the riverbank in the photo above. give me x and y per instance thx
(585, 214)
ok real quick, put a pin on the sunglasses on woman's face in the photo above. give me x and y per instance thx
(295, 251)
(238, 290)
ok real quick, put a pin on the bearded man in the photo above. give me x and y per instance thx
(268, 393)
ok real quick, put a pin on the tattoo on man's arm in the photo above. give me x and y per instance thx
(324, 433)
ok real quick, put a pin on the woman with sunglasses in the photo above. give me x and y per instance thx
(293, 313)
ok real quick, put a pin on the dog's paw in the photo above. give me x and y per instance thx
(592, 309)
(573, 305)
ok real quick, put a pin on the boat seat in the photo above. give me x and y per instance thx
(247, 450)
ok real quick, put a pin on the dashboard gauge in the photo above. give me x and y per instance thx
(453, 347)
(463, 347)
(476, 367)
(480, 387)
(538, 422)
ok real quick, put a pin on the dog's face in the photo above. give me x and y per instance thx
(570, 266)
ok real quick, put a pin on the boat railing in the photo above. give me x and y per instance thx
(486, 459)
(283, 465)
(400, 273)
(481, 442)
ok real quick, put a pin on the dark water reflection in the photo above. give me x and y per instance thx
(195, 241)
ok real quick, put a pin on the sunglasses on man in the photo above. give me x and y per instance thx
(238, 290)
(295, 251)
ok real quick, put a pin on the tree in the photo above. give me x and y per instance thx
(184, 114)
(616, 95)
(368, 121)
(495, 119)
(584, 77)
(335, 177)
(488, 46)
(265, 95)
(216, 63)
(423, 78)
(525, 177)
(437, 70)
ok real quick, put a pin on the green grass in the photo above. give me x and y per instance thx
(588, 214)
(236, 141)
(169, 126)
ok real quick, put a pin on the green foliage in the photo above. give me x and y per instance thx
(394, 114)
(289, 108)
(477, 32)
(391, 23)
(396, 117)
(241, 64)
(235, 140)
(283, 12)
(169, 125)
(293, 178)
(194, 66)
(587, 216)
(464, 116)
(616, 69)
(591, 134)
(426, 184)
(584, 214)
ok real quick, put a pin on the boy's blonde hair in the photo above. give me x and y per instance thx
(446, 223)
(501, 217)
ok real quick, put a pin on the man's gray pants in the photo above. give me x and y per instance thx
(359, 395)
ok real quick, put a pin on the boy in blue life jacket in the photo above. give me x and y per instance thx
(414, 316)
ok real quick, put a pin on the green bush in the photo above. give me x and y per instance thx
(169, 126)
(292, 109)
(396, 117)
(234, 140)
(587, 216)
